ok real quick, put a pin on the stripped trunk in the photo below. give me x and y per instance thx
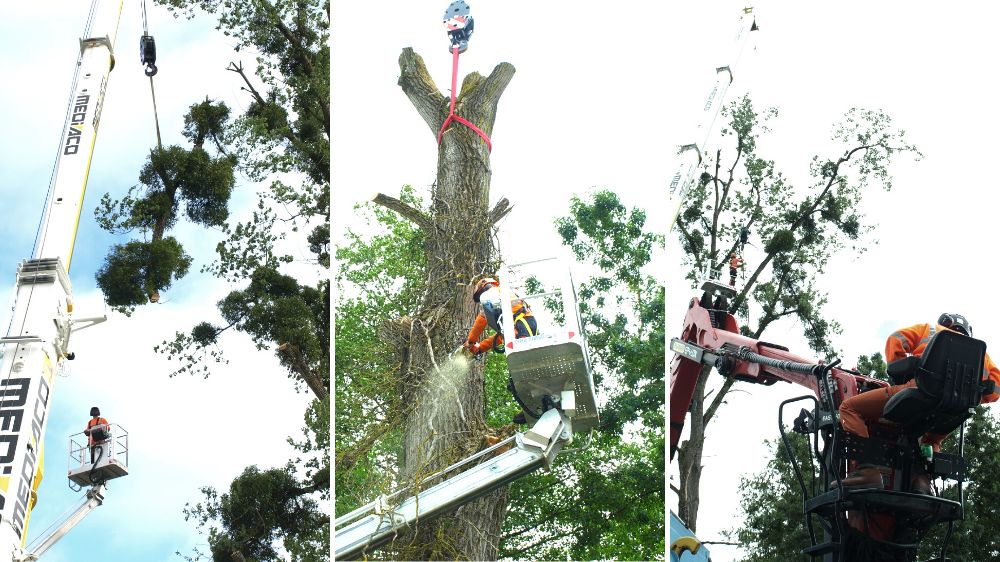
(446, 420)
(689, 456)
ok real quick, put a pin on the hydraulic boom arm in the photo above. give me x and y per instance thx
(689, 156)
(379, 522)
(94, 498)
(711, 339)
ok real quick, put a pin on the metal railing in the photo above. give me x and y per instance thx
(116, 446)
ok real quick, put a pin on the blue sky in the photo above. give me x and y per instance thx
(185, 432)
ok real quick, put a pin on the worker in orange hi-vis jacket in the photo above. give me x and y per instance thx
(98, 431)
(487, 294)
(734, 264)
(857, 411)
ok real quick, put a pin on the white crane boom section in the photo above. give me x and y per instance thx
(689, 156)
(37, 339)
(379, 522)
(79, 134)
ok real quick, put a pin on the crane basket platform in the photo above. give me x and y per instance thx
(553, 365)
(89, 465)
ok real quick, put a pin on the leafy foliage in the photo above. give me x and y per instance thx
(263, 508)
(772, 526)
(873, 366)
(172, 178)
(281, 142)
(379, 279)
(133, 271)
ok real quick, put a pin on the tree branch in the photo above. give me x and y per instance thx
(534, 524)
(760, 268)
(476, 91)
(301, 366)
(499, 211)
(419, 87)
(413, 215)
(723, 390)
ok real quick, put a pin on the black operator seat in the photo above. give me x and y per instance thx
(949, 376)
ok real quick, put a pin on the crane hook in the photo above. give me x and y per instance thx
(147, 54)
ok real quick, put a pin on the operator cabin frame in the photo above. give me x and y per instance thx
(551, 374)
(949, 385)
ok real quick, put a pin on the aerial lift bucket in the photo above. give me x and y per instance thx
(551, 368)
(90, 465)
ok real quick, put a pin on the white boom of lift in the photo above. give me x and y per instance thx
(551, 376)
(37, 340)
(689, 156)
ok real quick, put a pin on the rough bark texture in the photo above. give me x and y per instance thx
(446, 421)
(689, 456)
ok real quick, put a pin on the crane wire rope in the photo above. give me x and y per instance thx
(151, 71)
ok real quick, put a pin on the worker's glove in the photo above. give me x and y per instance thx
(474, 349)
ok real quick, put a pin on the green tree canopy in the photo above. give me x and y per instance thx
(281, 144)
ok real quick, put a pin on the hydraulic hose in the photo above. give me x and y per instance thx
(93, 467)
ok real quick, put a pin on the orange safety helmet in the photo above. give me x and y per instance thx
(482, 285)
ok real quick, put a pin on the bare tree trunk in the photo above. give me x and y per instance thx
(446, 419)
(689, 456)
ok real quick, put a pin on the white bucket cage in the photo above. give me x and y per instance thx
(552, 367)
(89, 465)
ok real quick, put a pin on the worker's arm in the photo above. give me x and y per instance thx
(901, 343)
(488, 344)
(994, 375)
(477, 329)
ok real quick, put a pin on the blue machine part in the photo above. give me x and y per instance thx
(684, 547)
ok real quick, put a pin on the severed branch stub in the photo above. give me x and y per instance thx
(406, 211)
(500, 210)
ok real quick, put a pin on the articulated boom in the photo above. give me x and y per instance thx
(856, 523)
(711, 338)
